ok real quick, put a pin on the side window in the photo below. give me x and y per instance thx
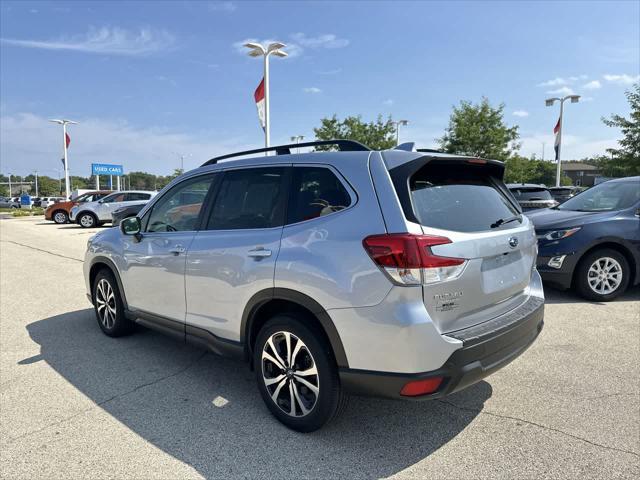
(179, 208)
(115, 198)
(249, 198)
(315, 191)
(135, 196)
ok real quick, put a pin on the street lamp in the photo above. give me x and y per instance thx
(404, 123)
(257, 50)
(297, 138)
(549, 102)
(64, 123)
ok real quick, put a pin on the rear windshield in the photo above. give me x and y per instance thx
(531, 194)
(460, 199)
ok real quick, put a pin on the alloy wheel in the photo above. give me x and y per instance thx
(60, 218)
(106, 304)
(86, 220)
(290, 374)
(604, 275)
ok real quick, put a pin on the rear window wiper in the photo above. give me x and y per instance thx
(503, 221)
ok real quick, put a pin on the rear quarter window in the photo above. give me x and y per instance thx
(459, 198)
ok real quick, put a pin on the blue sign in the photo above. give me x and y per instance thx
(106, 169)
(25, 199)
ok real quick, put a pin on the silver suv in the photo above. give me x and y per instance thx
(94, 214)
(401, 274)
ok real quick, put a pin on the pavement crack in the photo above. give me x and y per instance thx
(110, 399)
(544, 427)
(43, 251)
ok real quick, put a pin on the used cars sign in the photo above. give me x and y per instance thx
(106, 169)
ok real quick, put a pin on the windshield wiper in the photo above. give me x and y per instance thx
(503, 221)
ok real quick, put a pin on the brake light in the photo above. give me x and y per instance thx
(421, 387)
(408, 260)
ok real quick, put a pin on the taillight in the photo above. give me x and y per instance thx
(421, 387)
(408, 260)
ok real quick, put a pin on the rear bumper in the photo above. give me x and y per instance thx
(486, 348)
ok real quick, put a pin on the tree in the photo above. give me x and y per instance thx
(625, 160)
(378, 135)
(479, 131)
(524, 170)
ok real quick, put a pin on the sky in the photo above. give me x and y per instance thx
(150, 82)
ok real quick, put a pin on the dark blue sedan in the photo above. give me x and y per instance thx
(591, 242)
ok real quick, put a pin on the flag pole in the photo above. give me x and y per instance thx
(559, 165)
(267, 134)
(66, 162)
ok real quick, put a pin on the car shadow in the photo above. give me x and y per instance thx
(206, 411)
(557, 296)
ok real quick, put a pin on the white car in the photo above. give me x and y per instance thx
(48, 201)
(94, 214)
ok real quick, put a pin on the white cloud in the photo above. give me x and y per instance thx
(521, 113)
(560, 81)
(592, 85)
(334, 71)
(586, 99)
(328, 40)
(561, 91)
(105, 40)
(222, 7)
(31, 142)
(388, 102)
(312, 90)
(623, 79)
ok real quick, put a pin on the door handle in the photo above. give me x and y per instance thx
(177, 250)
(259, 253)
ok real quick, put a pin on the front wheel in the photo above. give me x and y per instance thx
(296, 374)
(108, 305)
(87, 220)
(60, 217)
(602, 275)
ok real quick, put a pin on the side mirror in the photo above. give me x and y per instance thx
(638, 212)
(131, 226)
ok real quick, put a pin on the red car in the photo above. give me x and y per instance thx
(59, 212)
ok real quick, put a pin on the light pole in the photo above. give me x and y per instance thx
(257, 50)
(37, 184)
(64, 123)
(297, 138)
(549, 102)
(9, 185)
(404, 123)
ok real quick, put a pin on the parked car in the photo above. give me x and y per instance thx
(36, 201)
(531, 196)
(396, 274)
(6, 202)
(591, 242)
(16, 200)
(94, 214)
(564, 193)
(125, 212)
(59, 212)
(45, 202)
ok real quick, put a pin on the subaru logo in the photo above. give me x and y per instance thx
(513, 242)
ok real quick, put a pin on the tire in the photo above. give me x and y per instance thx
(60, 217)
(602, 275)
(317, 395)
(108, 305)
(87, 220)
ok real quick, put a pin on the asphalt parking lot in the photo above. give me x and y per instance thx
(77, 404)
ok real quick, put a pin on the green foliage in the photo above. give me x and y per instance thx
(524, 170)
(624, 161)
(479, 131)
(378, 135)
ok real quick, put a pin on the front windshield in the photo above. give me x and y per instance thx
(605, 197)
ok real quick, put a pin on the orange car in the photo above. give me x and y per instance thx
(59, 212)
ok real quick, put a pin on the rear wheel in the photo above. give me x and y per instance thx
(296, 374)
(60, 217)
(108, 305)
(87, 220)
(602, 275)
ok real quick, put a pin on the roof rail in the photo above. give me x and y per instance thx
(429, 150)
(343, 146)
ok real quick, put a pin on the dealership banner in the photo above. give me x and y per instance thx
(106, 169)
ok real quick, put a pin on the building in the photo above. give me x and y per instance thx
(581, 174)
